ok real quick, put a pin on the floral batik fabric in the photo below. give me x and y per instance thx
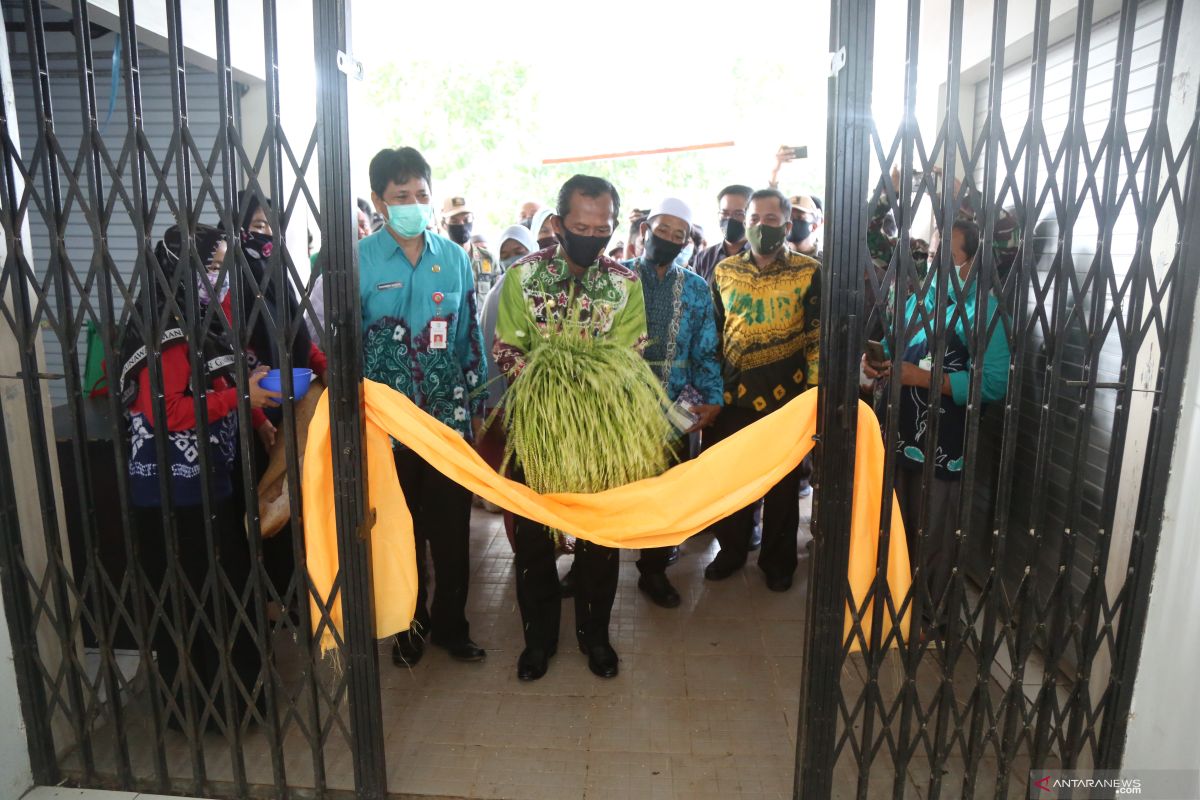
(420, 329)
(539, 294)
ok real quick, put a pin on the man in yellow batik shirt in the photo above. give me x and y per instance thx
(768, 307)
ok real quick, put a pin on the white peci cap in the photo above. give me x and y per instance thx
(673, 206)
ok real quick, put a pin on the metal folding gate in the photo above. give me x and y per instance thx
(1041, 624)
(73, 604)
(1087, 226)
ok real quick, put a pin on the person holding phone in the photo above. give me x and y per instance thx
(784, 155)
(914, 369)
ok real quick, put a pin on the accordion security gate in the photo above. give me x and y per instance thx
(1043, 616)
(1083, 191)
(71, 202)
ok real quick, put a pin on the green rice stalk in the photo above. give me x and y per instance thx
(585, 415)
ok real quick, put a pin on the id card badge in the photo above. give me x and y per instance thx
(438, 334)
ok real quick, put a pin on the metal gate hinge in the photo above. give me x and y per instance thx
(837, 61)
(350, 65)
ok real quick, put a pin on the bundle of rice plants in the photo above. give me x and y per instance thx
(585, 415)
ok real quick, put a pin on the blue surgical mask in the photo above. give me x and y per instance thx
(685, 255)
(505, 263)
(410, 220)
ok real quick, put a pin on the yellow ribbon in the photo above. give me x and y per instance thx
(655, 512)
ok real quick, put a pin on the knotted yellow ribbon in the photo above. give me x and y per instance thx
(655, 512)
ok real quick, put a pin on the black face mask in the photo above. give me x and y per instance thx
(582, 250)
(734, 230)
(660, 252)
(548, 241)
(459, 232)
(525, 222)
(801, 230)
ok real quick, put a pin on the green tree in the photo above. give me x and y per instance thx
(483, 128)
(479, 129)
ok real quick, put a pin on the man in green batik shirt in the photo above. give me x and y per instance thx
(571, 280)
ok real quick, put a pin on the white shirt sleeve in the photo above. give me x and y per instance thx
(317, 297)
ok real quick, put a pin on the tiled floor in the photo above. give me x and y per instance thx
(705, 706)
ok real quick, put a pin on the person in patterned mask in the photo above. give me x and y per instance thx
(181, 518)
(259, 280)
(421, 337)
(262, 346)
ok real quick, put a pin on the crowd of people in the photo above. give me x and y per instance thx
(731, 329)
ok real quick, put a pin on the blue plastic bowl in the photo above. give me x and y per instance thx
(301, 378)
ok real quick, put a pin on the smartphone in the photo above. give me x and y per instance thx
(918, 177)
(800, 152)
(875, 352)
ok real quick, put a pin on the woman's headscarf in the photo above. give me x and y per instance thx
(519, 234)
(539, 219)
(258, 248)
(217, 348)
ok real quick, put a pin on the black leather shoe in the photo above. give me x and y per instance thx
(719, 569)
(602, 660)
(674, 556)
(567, 584)
(780, 583)
(464, 650)
(533, 663)
(407, 649)
(659, 590)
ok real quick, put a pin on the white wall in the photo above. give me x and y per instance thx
(1166, 698)
(15, 777)
(199, 27)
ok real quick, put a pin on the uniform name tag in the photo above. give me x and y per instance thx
(437, 334)
(383, 287)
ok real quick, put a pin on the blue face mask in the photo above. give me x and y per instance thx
(410, 220)
(685, 255)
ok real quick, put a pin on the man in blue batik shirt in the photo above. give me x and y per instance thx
(682, 349)
(421, 337)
